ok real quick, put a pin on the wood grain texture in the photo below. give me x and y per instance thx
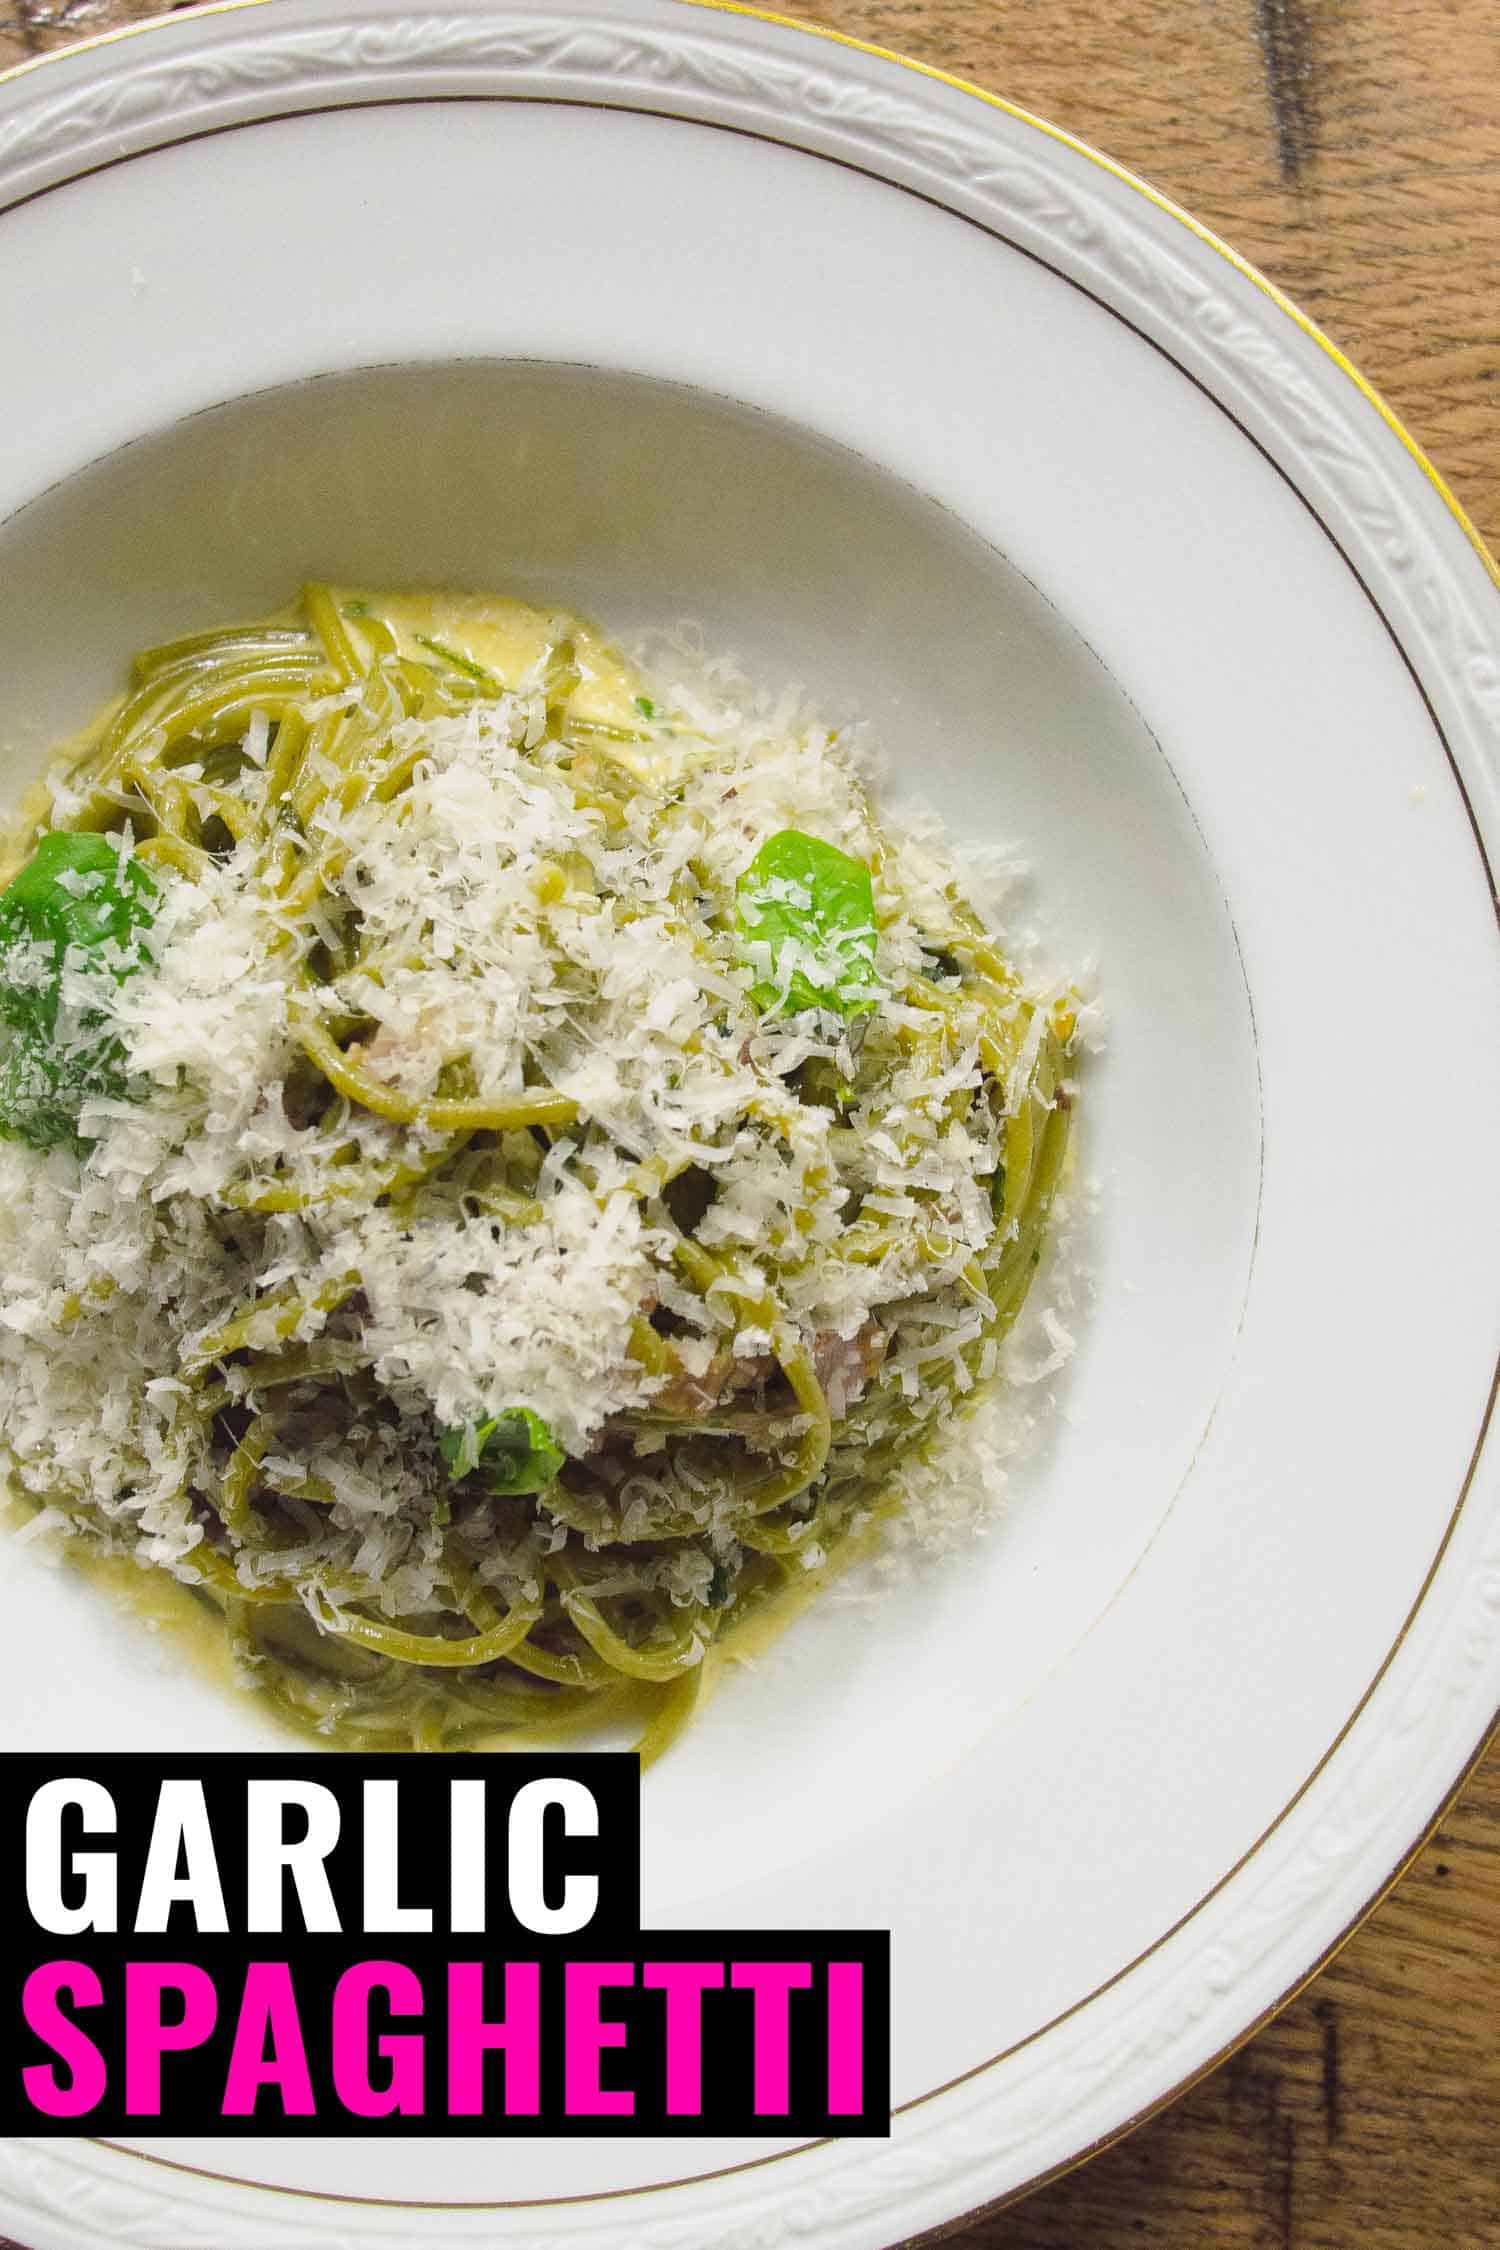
(1351, 149)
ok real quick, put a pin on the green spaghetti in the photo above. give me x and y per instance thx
(508, 1166)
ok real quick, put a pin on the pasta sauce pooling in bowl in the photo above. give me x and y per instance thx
(509, 1164)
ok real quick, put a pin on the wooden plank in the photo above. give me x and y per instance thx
(1350, 148)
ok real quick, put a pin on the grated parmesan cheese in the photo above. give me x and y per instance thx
(518, 931)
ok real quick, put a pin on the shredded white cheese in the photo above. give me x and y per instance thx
(510, 936)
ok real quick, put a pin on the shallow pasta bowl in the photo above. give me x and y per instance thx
(676, 311)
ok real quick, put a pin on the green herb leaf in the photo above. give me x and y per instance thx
(513, 1452)
(645, 706)
(73, 891)
(74, 897)
(997, 1190)
(39, 1095)
(813, 908)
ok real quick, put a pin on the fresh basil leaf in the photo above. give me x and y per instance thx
(43, 915)
(514, 1452)
(807, 920)
(74, 896)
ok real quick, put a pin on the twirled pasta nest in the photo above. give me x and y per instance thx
(509, 1163)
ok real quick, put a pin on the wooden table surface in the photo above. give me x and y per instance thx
(1351, 149)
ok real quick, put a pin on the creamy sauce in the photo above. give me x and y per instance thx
(498, 635)
(507, 638)
(167, 1608)
(763, 1625)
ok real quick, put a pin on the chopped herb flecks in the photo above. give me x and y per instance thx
(460, 662)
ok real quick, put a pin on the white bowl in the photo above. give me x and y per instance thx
(673, 311)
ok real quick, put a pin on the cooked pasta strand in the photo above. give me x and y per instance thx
(832, 1196)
